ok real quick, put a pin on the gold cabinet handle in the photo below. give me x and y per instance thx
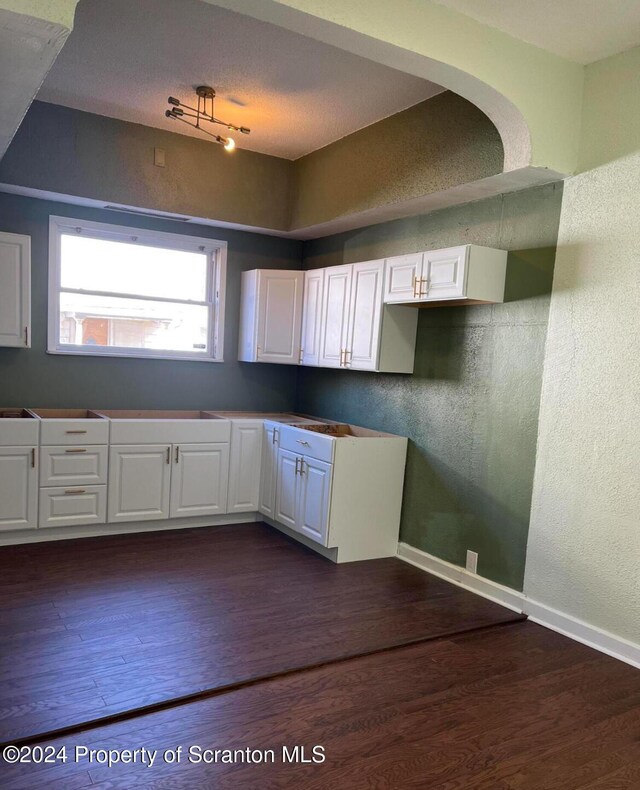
(177, 453)
(70, 432)
(33, 457)
(343, 352)
(297, 459)
(301, 467)
(168, 455)
(413, 286)
(347, 361)
(77, 450)
(303, 442)
(301, 357)
(273, 436)
(71, 491)
(426, 281)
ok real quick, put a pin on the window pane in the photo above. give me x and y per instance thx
(107, 321)
(116, 266)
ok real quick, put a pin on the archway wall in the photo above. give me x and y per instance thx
(533, 97)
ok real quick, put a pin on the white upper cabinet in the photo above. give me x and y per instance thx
(312, 317)
(365, 316)
(403, 273)
(335, 316)
(468, 273)
(271, 316)
(15, 290)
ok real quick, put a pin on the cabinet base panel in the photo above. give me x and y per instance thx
(330, 554)
(122, 528)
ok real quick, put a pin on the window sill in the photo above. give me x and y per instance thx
(121, 355)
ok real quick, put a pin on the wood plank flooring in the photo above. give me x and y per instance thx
(511, 708)
(96, 627)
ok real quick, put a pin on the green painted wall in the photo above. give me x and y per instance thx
(438, 144)
(471, 407)
(76, 153)
(35, 378)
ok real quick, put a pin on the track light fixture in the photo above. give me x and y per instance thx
(204, 112)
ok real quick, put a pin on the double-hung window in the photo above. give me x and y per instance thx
(120, 291)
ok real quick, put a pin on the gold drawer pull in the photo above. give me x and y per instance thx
(75, 491)
(75, 432)
(303, 442)
(77, 450)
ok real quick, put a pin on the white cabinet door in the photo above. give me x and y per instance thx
(335, 316)
(269, 471)
(244, 469)
(18, 488)
(311, 317)
(314, 498)
(199, 479)
(287, 488)
(402, 278)
(279, 316)
(365, 314)
(139, 482)
(443, 273)
(15, 290)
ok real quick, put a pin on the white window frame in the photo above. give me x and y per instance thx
(216, 287)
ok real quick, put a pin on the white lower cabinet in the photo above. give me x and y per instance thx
(199, 479)
(66, 507)
(268, 470)
(244, 467)
(287, 489)
(314, 497)
(18, 488)
(139, 482)
(303, 492)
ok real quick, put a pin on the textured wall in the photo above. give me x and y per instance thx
(35, 378)
(77, 153)
(584, 544)
(440, 143)
(471, 407)
(611, 115)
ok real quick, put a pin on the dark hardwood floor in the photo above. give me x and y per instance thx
(511, 708)
(96, 627)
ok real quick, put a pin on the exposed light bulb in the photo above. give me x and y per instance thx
(230, 144)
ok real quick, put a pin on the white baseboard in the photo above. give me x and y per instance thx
(505, 596)
(126, 528)
(537, 612)
(587, 634)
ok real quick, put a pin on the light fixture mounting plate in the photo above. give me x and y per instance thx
(205, 92)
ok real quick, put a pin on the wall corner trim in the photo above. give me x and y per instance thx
(537, 612)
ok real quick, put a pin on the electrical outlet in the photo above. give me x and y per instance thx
(159, 157)
(472, 561)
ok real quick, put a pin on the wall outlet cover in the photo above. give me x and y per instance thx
(472, 561)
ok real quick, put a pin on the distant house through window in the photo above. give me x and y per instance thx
(120, 291)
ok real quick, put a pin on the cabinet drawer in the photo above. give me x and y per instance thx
(18, 432)
(315, 445)
(73, 466)
(76, 432)
(68, 506)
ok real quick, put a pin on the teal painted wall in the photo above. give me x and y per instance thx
(471, 407)
(35, 378)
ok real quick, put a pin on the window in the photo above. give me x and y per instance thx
(116, 291)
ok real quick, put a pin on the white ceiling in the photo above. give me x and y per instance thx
(580, 30)
(123, 59)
